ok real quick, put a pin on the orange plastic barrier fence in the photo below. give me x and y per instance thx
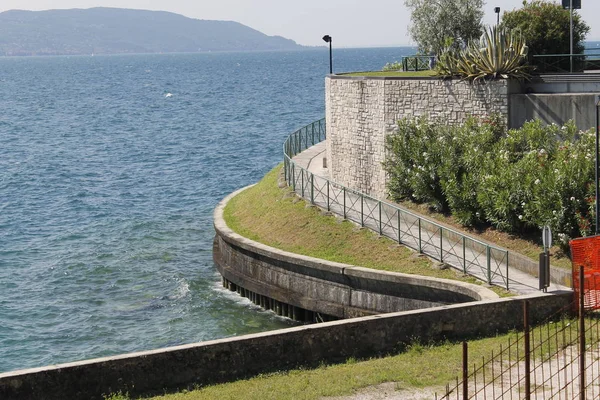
(586, 252)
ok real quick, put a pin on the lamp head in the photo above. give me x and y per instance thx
(497, 10)
(327, 39)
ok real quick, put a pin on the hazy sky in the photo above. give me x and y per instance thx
(351, 23)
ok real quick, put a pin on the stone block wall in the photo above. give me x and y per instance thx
(361, 111)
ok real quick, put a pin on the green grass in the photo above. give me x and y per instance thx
(276, 217)
(405, 74)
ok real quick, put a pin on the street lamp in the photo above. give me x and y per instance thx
(328, 39)
(497, 11)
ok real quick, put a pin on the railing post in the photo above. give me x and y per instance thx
(464, 255)
(312, 188)
(420, 246)
(344, 192)
(362, 215)
(380, 223)
(489, 265)
(398, 214)
(506, 269)
(313, 134)
(328, 203)
(285, 167)
(293, 176)
(441, 244)
(306, 138)
(302, 181)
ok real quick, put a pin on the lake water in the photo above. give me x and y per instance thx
(110, 168)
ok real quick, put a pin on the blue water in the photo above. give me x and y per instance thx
(110, 168)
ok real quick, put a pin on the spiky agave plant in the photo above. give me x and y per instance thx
(500, 53)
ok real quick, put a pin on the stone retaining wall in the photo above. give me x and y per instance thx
(360, 111)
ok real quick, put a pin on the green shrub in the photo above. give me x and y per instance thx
(395, 66)
(517, 181)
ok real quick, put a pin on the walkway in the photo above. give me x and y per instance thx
(486, 262)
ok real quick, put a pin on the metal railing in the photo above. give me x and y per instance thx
(561, 63)
(415, 63)
(470, 255)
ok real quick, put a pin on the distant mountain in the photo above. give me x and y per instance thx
(117, 31)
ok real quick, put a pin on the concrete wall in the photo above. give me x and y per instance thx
(230, 359)
(555, 108)
(330, 288)
(360, 111)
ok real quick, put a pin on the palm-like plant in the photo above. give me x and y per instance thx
(498, 54)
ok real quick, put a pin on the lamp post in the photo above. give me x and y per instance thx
(571, 5)
(328, 39)
(497, 11)
(571, 46)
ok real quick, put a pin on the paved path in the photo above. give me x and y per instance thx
(463, 253)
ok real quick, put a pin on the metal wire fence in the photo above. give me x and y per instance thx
(558, 359)
(470, 255)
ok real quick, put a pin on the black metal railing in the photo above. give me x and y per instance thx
(447, 245)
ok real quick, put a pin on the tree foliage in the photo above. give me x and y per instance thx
(435, 22)
(546, 26)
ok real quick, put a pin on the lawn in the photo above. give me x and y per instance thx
(399, 74)
(276, 217)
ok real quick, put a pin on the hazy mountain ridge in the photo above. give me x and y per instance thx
(117, 31)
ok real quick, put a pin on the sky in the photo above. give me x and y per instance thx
(351, 23)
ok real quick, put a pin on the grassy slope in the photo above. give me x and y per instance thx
(274, 216)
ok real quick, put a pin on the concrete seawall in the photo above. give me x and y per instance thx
(230, 359)
(331, 290)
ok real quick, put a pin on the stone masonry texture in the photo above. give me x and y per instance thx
(360, 112)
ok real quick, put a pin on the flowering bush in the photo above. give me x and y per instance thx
(517, 181)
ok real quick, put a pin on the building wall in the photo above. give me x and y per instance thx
(361, 111)
(554, 108)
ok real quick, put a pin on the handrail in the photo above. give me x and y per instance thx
(415, 63)
(422, 234)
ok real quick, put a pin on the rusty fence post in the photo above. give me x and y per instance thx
(527, 350)
(465, 371)
(581, 334)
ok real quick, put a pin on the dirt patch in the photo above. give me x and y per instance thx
(389, 390)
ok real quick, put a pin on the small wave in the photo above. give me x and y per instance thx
(181, 292)
(183, 289)
(168, 95)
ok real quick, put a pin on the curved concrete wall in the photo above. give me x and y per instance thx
(330, 288)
